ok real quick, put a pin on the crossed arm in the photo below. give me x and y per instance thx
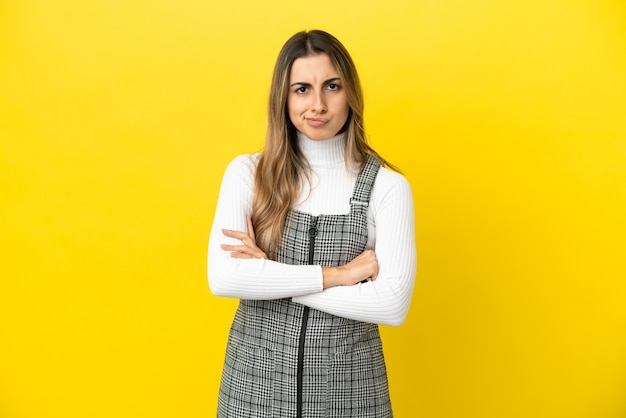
(364, 266)
(237, 268)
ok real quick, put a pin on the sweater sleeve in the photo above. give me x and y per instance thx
(385, 300)
(249, 278)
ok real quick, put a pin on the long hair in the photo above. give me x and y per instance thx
(282, 168)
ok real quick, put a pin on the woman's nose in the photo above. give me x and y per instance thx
(319, 104)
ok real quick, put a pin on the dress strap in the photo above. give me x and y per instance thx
(364, 183)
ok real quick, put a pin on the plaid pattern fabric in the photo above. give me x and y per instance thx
(344, 372)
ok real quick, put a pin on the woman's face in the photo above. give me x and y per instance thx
(317, 102)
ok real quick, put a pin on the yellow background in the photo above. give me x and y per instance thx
(118, 117)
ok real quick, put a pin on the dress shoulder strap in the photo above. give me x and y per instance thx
(364, 183)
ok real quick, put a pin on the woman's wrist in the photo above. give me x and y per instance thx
(330, 277)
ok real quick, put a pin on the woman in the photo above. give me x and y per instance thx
(316, 239)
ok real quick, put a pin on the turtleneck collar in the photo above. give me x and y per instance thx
(323, 153)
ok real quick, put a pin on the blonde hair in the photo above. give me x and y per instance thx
(282, 167)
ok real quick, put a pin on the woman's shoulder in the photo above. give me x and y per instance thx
(245, 160)
(389, 181)
(243, 163)
(391, 177)
(241, 168)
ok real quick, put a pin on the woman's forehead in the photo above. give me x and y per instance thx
(313, 68)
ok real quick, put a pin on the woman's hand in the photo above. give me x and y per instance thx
(363, 267)
(248, 249)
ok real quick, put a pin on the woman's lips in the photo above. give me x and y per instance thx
(316, 122)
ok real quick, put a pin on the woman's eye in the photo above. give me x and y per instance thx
(333, 86)
(301, 90)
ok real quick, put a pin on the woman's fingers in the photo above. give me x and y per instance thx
(250, 227)
(364, 266)
(242, 251)
(235, 234)
(242, 236)
(373, 261)
(240, 248)
(249, 249)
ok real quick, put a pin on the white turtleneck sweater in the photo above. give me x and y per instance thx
(391, 235)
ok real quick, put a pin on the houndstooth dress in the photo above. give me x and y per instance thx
(287, 360)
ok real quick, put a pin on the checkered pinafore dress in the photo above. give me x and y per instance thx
(287, 360)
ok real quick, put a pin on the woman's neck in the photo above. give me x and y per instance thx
(327, 152)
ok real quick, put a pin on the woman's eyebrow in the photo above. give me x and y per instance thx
(303, 84)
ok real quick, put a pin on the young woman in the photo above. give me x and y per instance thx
(315, 236)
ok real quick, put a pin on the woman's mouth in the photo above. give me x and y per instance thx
(316, 122)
